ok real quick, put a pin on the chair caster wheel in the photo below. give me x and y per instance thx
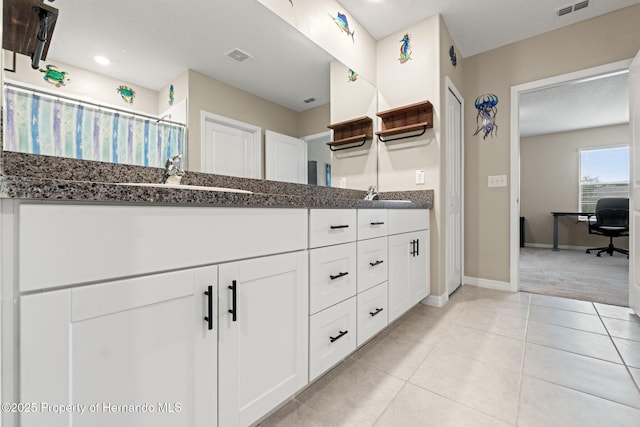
(598, 255)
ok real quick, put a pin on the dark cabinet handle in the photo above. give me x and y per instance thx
(209, 317)
(340, 335)
(417, 247)
(413, 248)
(234, 302)
(373, 264)
(375, 313)
(338, 275)
(335, 227)
(377, 223)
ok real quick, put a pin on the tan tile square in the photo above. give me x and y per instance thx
(568, 319)
(352, 394)
(480, 385)
(414, 406)
(598, 377)
(499, 350)
(394, 355)
(487, 320)
(295, 414)
(563, 303)
(546, 404)
(615, 311)
(630, 351)
(628, 329)
(573, 340)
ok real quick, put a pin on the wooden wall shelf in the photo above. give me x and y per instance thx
(350, 132)
(408, 118)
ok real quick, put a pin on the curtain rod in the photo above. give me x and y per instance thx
(105, 107)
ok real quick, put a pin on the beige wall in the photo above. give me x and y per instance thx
(605, 39)
(314, 120)
(84, 85)
(213, 96)
(549, 178)
(355, 167)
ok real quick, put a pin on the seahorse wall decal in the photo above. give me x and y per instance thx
(405, 49)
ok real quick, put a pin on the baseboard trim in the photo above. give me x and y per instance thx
(486, 283)
(436, 300)
(547, 246)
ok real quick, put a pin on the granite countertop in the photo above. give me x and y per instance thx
(36, 177)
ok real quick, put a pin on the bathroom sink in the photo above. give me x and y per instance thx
(186, 187)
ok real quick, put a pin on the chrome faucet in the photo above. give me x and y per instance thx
(174, 171)
(372, 193)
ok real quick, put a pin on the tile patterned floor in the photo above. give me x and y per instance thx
(488, 358)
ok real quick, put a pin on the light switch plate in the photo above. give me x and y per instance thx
(497, 181)
(419, 177)
(343, 182)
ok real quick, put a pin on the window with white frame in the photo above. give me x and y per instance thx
(604, 172)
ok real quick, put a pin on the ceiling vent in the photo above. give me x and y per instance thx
(309, 100)
(580, 5)
(572, 8)
(238, 55)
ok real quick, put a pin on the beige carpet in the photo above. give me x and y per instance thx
(575, 274)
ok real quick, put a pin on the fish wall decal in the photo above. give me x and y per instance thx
(405, 49)
(342, 23)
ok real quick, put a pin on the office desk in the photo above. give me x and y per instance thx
(556, 215)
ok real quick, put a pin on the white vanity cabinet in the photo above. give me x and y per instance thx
(408, 259)
(142, 342)
(263, 346)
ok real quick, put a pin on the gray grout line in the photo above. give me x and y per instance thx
(524, 355)
(624, 362)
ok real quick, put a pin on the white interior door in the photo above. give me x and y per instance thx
(285, 158)
(230, 147)
(634, 122)
(454, 192)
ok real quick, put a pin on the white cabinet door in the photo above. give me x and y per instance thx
(263, 335)
(128, 352)
(408, 271)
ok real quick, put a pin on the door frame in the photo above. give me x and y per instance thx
(255, 131)
(451, 87)
(514, 197)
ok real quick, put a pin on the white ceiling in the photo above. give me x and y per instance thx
(151, 42)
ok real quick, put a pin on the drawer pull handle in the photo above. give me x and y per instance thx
(337, 276)
(375, 313)
(234, 302)
(413, 248)
(378, 223)
(417, 247)
(335, 227)
(373, 264)
(209, 317)
(340, 335)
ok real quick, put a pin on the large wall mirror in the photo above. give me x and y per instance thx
(235, 60)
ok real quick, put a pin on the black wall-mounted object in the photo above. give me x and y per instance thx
(28, 27)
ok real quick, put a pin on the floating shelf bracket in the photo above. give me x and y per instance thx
(351, 133)
(402, 120)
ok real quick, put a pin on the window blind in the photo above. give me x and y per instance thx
(604, 172)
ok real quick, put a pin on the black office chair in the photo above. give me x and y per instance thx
(612, 220)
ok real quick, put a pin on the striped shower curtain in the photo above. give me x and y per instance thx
(46, 125)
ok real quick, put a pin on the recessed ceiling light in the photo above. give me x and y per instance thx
(101, 60)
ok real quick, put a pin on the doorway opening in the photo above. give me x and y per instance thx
(546, 177)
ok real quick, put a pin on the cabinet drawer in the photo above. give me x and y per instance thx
(333, 275)
(372, 223)
(372, 312)
(373, 262)
(331, 227)
(332, 336)
(406, 220)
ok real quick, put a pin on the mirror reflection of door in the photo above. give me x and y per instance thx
(319, 158)
(230, 147)
(285, 158)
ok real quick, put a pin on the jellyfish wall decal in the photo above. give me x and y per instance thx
(487, 112)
